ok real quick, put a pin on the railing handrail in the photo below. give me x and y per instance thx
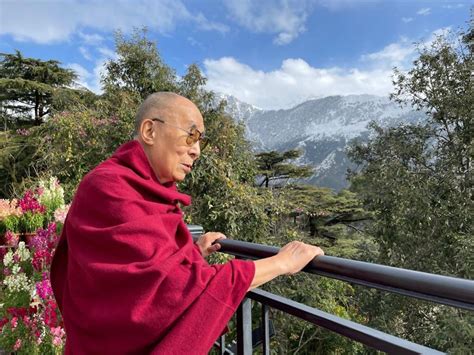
(436, 288)
(355, 331)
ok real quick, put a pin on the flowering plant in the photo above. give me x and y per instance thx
(50, 195)
(30, 321)
(9, 215)
(32, 217)
(29, 315)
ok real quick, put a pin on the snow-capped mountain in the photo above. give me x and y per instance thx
(322, 128)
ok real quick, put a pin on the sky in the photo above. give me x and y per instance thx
(270, 53)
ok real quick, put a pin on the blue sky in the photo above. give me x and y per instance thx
(272, 54)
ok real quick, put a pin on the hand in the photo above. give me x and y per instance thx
(296, 255)
(205, 243)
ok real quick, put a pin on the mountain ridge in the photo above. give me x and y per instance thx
(321, 127)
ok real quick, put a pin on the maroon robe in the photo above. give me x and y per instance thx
(126, 274)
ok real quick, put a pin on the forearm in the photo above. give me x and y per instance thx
(265, 270)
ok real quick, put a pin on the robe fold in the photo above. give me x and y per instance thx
(126, 274)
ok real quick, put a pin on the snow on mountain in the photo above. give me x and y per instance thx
(322, 128)
(238, 110)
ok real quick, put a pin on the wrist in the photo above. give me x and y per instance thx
(280, 263)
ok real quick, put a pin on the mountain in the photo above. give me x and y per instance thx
(322, 128)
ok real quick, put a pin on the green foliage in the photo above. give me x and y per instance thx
(30, 222)
(417, 181)
(274, 166)
(12, 223)
(138, 67)
(28, 84)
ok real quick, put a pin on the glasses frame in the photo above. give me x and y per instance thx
(190, 139)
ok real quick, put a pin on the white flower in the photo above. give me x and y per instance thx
(16, 269)
(8, 258)
(17, 283)
(22, 252)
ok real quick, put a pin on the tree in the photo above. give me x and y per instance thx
(417, 180)
(319, 210)
(138, 67)
(273, 166)
(28, 84)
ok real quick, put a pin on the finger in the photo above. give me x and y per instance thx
(213, 249)
(220, 237)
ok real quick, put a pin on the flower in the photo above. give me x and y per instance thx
(61, 213)
(28, 310)
(17, 283)
(29, 203)
(14, 322)
(45, 239)
(52, 194)
(9, 208)
(11, 239)
(43, 289)
(58, 334)
(23, 132)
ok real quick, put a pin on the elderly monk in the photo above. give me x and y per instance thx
(126, 274)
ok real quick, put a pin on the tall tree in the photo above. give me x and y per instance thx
(417, 180)
(274, 166)
(138, 67)
(29, 85)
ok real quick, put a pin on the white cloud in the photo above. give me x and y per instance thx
(91, 79)
(342, 4)
(457, 6)
(194, 42)
(424, 11)
(407, 19)
(85, 53)
(93, 39)
(398, 53)
(83, 74)
(293, 82)
(285, 18)
(53, 21)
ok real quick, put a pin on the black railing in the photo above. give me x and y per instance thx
(435, 288)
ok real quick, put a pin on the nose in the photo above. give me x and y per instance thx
(195, 150)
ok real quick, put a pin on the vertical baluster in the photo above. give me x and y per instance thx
(244, 327)
(265, 329)
(222, 344)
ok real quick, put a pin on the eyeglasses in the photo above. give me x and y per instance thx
(194, 134)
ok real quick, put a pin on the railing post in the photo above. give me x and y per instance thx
(244, 327)
(222, 344)
(266, 330)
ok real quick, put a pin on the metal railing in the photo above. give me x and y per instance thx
(435, 288)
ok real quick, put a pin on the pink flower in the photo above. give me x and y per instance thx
(43, 289)
(23, 132)
(26, 320)
(14, 322)
(30, 203)
(41, 259)
(61, 213)
(45, 239)
(58, 334)
(17, 345)
(11, 239)
(9, 208)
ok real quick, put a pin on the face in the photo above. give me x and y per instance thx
(170, 156)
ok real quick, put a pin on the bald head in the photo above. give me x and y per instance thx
(159, 104)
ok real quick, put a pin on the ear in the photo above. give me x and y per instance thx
(147, 132)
